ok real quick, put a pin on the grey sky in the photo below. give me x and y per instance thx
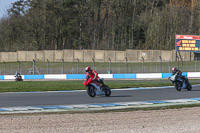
(4, 5)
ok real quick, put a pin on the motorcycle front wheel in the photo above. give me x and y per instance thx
(178, 85)
(91, 91)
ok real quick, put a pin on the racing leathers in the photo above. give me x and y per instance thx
(179, 74)
(177, 71)
(92, 74)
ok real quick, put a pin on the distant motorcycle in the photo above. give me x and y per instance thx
(95, 88)
(18, 77)
(179, 83)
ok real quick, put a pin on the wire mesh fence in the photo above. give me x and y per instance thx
(36, 67)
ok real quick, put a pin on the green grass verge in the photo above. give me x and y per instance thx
(74, 85)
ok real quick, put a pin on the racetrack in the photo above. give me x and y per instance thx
(157, 121)
(81, 97)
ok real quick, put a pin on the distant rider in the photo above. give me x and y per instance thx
(17, 74)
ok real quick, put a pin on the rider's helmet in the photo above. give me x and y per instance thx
(87, 69)
(174, 69)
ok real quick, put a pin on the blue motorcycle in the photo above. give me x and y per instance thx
(180, 83)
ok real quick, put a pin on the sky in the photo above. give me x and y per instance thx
(4, 5)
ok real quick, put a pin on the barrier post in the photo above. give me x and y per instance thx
(62, 66)
(142, 65)
(47, 66)
(178, 61)
(109, 66)
(19, 67)
(33, 67)
(77, 66)
(196, 64)
(93, 63)
(160, 64)
(126, 64)
(4, 68)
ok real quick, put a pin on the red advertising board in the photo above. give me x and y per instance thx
(188, 43)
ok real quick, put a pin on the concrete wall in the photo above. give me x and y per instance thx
(144, 54)
(167, 56)
(88, 55)
(109, 55)
(13, 56)
(31, 55)
(120, 56)
(97, 55)
(48, 55)
(68, 55)
(155, 55)
(5, 56)
(58, 55)
(39, 56)
(78, 55)
(21, 56)
(132, 55)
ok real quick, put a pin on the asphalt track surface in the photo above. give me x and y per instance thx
(81, 97)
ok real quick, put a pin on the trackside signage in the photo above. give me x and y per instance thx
(187, 43)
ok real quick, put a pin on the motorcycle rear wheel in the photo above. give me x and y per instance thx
(107, 90)
(189, 87)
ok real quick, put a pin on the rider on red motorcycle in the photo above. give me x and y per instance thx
(93, 75)
(18, 77)
(95, 85)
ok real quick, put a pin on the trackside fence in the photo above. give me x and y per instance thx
(41, 68)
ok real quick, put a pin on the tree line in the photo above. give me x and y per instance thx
(96, 24)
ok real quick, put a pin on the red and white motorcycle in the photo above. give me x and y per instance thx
(18, 77)
(95, 88)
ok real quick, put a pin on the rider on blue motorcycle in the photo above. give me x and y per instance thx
(175, 70)
(179, 73)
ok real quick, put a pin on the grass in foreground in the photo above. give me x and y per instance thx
(74, 85)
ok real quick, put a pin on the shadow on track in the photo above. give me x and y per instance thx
(114, 96)
(122, 96)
